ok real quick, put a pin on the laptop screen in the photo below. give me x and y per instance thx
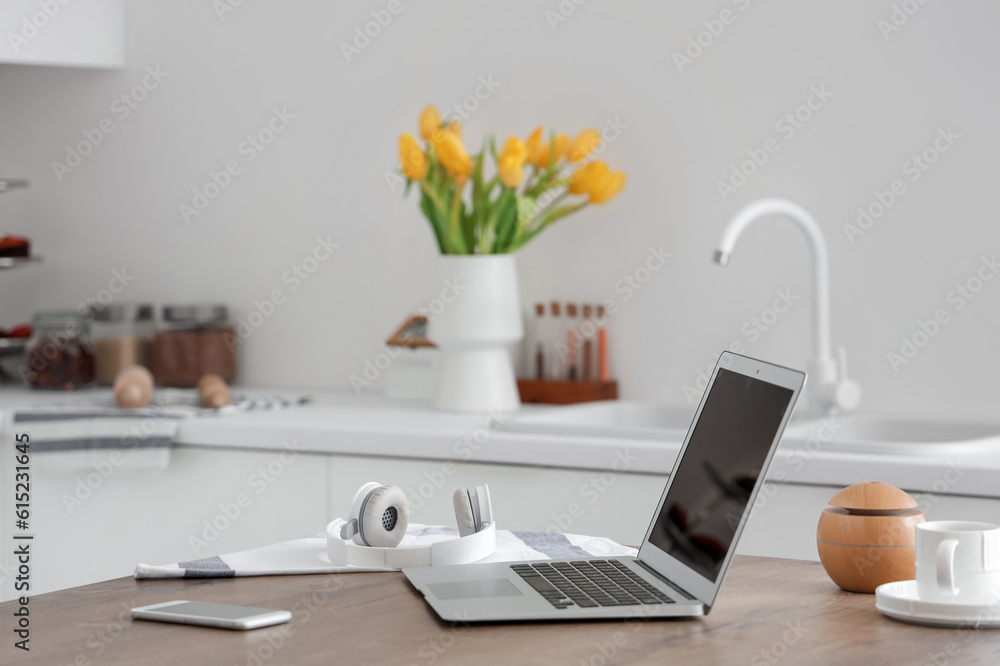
(712, 485)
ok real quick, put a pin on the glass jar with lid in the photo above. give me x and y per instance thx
(60, 352)
(123, 336)
(194, 340)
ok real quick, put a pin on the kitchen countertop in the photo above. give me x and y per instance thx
(341, 423)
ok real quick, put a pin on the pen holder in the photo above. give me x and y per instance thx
(562, 392)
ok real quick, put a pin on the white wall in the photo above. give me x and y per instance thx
(325, 175)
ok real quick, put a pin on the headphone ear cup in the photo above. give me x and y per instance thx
(464, 516)
(384, 517)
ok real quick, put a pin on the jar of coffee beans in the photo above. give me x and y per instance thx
(60, 353)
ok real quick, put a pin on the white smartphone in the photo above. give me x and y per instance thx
(205, 614)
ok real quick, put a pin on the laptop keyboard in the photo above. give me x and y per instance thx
(589, 583)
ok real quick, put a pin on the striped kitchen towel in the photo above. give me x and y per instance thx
(308, 554)
(94, 423)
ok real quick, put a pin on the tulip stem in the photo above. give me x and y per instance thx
(456, 231)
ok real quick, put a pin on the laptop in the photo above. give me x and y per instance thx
(690, 540)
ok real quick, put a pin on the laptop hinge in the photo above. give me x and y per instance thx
(666, 581)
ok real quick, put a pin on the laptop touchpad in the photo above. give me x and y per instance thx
(473, 589)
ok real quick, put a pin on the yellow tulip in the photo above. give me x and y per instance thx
(538, 152)
(430, 121)
(562, 142)
(583, 145)
(597, 182)
(455, 128)
(412, 157)
(583, 179)
(606, 188)
(510, 163)
(452, 155)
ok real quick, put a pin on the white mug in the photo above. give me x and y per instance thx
(958, 561)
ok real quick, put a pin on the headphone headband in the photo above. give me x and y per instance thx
(462, 550)
(348, 540)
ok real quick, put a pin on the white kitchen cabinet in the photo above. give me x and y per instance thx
(71, 33)
(614, 505)
(785, 518)
(611, 504)
(157, 517)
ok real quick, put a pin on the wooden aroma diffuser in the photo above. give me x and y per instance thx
(868, 536)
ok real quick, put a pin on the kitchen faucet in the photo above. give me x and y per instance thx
(831, 389)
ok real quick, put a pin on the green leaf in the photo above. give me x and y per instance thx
(525, 209)
(546, 221)
(455, 235)
(474, 221)
(505, 220)
(428, 209)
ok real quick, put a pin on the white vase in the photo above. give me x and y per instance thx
(474, 318)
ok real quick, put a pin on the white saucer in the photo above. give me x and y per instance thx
(899, 600)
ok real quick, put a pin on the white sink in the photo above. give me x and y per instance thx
(852, 433)
(610, 419)
(859, 433)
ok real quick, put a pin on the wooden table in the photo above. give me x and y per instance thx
(769, 611)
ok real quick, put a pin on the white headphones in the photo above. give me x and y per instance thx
(377, 523)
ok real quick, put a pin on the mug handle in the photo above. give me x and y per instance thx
(946, 567)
